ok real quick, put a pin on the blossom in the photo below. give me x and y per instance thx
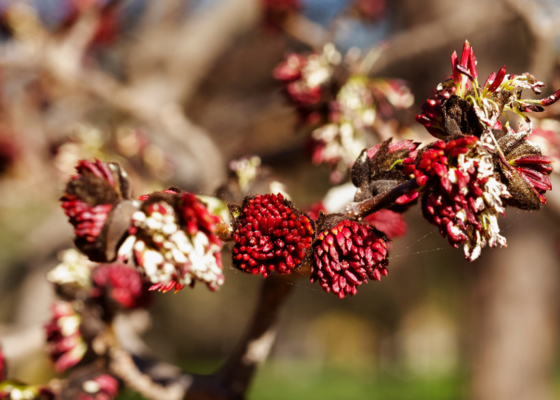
(18, 391)
(102, 387)
(341, 140)
(308, 80)
(461, 107)
(524, 170)
(88, 199)
(65, 345)
(345, 255)
(391, 223)
(270, 235)
(463, 198)
(481, 165)
(75, 270)
(119, 284)
(172, 242)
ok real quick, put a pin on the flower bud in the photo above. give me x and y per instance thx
(345, 254)
(463, 197)
(65, 345)
(270, 234)
(172, 242)
(119, 287)
(526, 173)
(88, 199)
(102, 387)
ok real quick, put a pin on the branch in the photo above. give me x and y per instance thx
(162, 381)
(306, 31)
(123, 365)
(384, 200)
(434, 35)
(233, 379)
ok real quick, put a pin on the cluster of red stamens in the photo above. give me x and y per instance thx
(64, 341)
(121, 284)
(197, 217)
(346, 255)
(88, 220)
(270, 236)
(102, 387)
(535, 170)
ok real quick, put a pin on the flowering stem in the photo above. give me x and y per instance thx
(384, 200)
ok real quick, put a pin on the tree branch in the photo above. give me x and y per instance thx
(162, 381)
(234, 378)
(384, 200)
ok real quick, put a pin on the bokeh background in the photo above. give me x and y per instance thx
(174, 90)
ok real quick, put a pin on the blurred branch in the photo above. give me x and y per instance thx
(188, 51)
(162, 381)
(306, 31)
(429, 37)
(253, 350)
(542, 32)
(123, 366)
(383, 200)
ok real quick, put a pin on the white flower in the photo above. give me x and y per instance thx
(75, 268)
(165, 253)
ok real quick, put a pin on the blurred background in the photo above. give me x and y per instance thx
(174, 90)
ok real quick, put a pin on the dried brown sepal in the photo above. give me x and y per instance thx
(90, 200)
(459, 119)
(524, 171)
(381, 172)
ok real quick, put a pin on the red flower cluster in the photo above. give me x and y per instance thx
(291, 73)
(432, 113)
(447, 198)
(88, 219)
(270, 235)
(535, 170)
(434, 161)
(197, 217)
(346, 255)
(172, 241)
(103, 387)
(64, 341)
(121, 284)
(463, 196)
